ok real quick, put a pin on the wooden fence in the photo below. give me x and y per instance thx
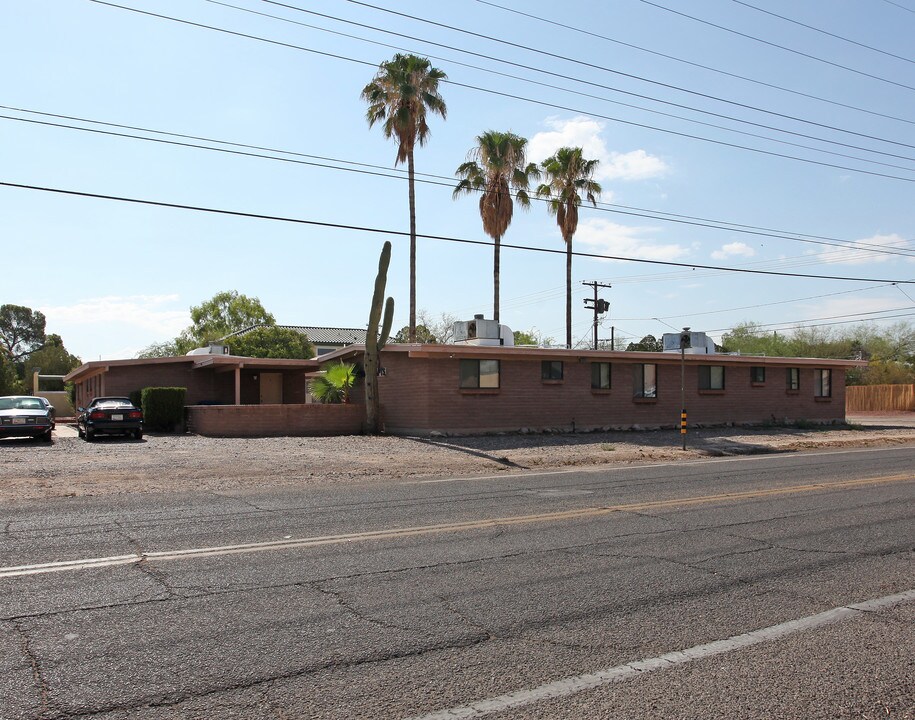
(887, 398)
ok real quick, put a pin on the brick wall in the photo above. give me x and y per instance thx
(275, 420)
(422, 395)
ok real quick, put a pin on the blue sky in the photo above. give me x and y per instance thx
(114, 277)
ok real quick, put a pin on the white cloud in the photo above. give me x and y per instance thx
(585, 132)
(608, 238)
(861, 252)
(733, 249)
(116, 326)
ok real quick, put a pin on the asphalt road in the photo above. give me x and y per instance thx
(519, 596)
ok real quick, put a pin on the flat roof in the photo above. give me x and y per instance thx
(197, 362)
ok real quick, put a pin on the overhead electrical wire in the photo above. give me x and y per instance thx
(719, 71)
(583, 63)
(899, 5)
(439, 180)
(440, 238)
(824, 32)
(776, 45)
(542, 103)
(595, 84)
(794, 323)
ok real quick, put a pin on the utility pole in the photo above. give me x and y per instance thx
(599, 306)
(684, 343)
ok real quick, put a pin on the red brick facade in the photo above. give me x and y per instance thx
(422, 394)
(274, 420)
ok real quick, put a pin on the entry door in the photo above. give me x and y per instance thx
(271, 388)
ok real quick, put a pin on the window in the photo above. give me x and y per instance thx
(822, 386)
(757, 374)
(711, 377)
(794, 379)
(645, 380)
(479, 374)
(551, 370)
(600, 376)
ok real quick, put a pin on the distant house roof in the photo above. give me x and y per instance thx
(318, 335)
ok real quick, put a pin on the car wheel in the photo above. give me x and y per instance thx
(46, 436)
(79, 431)
(138, 434)
(89, 435)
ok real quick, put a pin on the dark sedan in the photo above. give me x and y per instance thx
(25, 416)
(110, 416)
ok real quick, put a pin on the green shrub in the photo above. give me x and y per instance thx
(163, 407)
(136, 397)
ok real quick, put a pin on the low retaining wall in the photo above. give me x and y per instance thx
(274, 420)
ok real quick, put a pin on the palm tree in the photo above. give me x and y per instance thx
(402, 91)
(334, 385)
(496, 167)
(569, 176)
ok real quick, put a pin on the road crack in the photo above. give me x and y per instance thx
(41, 685)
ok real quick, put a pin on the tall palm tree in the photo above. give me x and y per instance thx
(403, 90)
(496, 167)
(569, 176)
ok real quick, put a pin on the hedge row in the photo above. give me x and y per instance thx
(163, 407)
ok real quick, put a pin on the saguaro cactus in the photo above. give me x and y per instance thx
(375, 341)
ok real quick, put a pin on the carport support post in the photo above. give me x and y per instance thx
(238, 385)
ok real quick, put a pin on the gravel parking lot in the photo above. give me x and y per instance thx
(70, 466)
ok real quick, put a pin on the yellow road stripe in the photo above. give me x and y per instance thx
(389, 534)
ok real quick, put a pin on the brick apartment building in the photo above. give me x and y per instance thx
(473, 388)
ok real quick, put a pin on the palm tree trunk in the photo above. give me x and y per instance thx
(495, 278)
(411, 173)
(569, 292)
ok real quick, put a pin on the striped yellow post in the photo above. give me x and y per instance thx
(683, 427)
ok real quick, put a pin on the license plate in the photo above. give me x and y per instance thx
(117, 417)
(18, 421)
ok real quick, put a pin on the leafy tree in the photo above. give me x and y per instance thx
(568, 176)
(649, 343)
(423, 335)
(496, 167)
(10, 384)
(226, 312)
(51, 359)
(335, 384)
(532, 337)
(403, 90)
(22, 330)
(272, 342)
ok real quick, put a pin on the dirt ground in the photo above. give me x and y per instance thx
(72, 467)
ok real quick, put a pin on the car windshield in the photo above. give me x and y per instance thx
(111, 401)
(22, 403)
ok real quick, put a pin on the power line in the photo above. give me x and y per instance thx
(522, 98)
(599, 85)
(799, 323)
(776, 45)
(442, 238)
(899, 5)
(583, 63)
(824, 32)
(589, 83)
(398, 175)
(695, 64)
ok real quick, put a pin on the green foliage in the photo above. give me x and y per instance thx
(163, 407)
(70, 389)
(423, 335)
(226, 312)
(649, 343)
(136, 397)
(272, 342)
(335, 384)
(51, 359)
(10, 384)
(22, 330)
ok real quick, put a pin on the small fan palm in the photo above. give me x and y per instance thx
(568, 176)
(403, 90)
(497, 169)
(334, 385)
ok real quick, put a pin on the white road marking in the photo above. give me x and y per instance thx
(578, 683)
(647, 466)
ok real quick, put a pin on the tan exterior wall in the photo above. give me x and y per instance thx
(275, 420)
(422, 395)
